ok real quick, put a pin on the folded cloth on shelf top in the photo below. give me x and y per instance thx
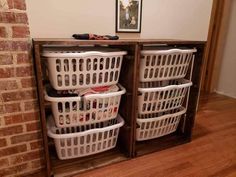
(89, 36)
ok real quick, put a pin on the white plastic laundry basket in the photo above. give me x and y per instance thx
(92, 108)
(72, 142)
(76, 69)
(167, 123)
(159, 65)
(162, 98)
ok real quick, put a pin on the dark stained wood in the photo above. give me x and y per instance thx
(158, 144)
(179, 137)
(135, 92)
(71, 41)
(128, 109)
(40, 88)
(210, 153)
(194, 91)
(74, 166)
(169, 41)
(127, 79)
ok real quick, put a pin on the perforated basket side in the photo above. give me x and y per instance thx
(159, 65)
(93, 108)
(159, 99)
(85, 140)
(83, 70)
(150, 128)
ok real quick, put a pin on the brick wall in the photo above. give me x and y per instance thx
(20, 136)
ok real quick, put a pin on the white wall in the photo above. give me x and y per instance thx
(163, 19)
(227, 77)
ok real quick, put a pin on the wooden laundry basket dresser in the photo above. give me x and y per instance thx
(127, 146)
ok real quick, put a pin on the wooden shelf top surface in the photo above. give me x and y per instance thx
(68, 41)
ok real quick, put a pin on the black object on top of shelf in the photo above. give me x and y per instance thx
(89, 36)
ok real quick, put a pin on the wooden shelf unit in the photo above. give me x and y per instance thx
(127, 146)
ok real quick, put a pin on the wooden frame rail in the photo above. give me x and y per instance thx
(127, 146)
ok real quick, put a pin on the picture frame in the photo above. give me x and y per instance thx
(128, 16)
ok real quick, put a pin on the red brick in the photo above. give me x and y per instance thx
(3, 32)
(31, 116)
(24, 71)
(3, 143)
(31, 105)
(28, 82)
(13, 119)
(11, 96)
(33, 126)
(20, 32)
(17, 4)
(28, 94)
(6, 72)
(36, 145)
(16, 21)
(23, 58)
(1, 109)
(38, 163)
(21, 18)
(14, 170)
(8, 85)
(12, 17)
(25, 137)
(4, 163)
(16, 95)
(37, 172)
(7, 17)
(25, 157)
(6, 59)
(20, 46)
(13, 150)
(12, 107)
(21, 118)
(14, 46)
(5, 45)
(9, 3)
(6, 131)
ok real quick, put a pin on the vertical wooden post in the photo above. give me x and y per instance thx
(135, 93)
(194, 91)
(38, 69)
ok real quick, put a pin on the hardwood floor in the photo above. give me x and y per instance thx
(212, 151)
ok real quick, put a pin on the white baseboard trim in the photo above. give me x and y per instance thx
(223, 93)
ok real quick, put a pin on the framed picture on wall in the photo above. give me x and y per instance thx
(128, 16)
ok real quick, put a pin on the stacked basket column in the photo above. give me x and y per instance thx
(162, 91)
(85, 124)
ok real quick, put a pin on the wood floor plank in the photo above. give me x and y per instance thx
(212, 152)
